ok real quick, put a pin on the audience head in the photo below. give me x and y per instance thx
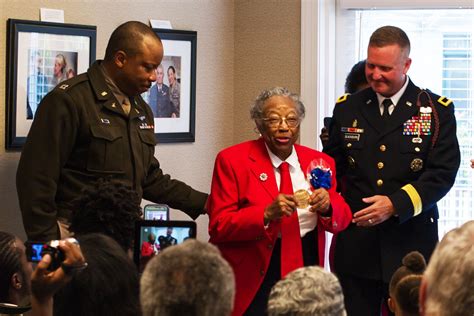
(448, 282)
(404, 285)
(188, 279)
(307, 291)
(15, 270)
(108, 207)
(108, 286)
(133, 54)
(356, 80)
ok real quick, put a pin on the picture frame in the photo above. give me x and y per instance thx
(172, 97)
(40, 55)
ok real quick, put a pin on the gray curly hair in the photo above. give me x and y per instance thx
(307, 291)
(191, 278)
(256, 110)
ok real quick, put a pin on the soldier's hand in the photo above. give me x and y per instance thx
(379, 211)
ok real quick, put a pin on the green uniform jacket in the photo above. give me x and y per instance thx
(80, 133)
(377, 158)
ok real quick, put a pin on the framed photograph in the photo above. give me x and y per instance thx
(173, 96)
(40, 55)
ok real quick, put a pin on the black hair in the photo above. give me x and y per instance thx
(108, 286)
(356, 78)
(407, 294)
(412, 263)
(108, 207)
(126, 37)
(172, 68)
(9, 263)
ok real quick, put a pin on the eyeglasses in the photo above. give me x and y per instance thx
(276, 121)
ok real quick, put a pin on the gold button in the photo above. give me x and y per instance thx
(383, 148)
(379, 182)
(349, 145)
(417, 149)
(380, 165)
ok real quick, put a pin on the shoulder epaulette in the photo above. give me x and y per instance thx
(342, 98)
(444, 101)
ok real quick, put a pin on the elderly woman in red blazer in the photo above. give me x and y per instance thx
(265, 216)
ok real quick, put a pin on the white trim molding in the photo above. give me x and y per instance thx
(317, 66)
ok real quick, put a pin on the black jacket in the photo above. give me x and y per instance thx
(377, 158)
(80, 133)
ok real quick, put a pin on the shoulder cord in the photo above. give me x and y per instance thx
(435, 114)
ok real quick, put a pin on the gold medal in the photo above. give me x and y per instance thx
(301, 198)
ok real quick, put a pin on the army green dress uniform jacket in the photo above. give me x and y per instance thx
(80, 133)
(413, 161)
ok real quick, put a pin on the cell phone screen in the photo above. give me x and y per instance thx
(34, 251)
(157, 212)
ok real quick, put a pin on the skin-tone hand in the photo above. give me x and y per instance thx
(283, 205)
(45, 283)
(379, 211)
(319, 201)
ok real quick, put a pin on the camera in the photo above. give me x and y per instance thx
(36, 250)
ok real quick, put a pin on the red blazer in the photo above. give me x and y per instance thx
(243, 184)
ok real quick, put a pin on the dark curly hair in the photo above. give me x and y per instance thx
(356, 79)
(108, 207)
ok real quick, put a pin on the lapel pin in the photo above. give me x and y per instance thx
(263, 176)
(103, 93)
(368, 101)
(409, 103)
(113, 105)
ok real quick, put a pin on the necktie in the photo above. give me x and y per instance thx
(386, 103)
(126, 106)
(291, 250)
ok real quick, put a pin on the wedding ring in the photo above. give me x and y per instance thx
(370, 221)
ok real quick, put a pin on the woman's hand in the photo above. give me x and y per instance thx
(283, 205)
(319, 201)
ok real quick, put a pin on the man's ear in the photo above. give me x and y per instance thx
(391, 305)
(120, 58)
(16, 281)
(422, 298)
